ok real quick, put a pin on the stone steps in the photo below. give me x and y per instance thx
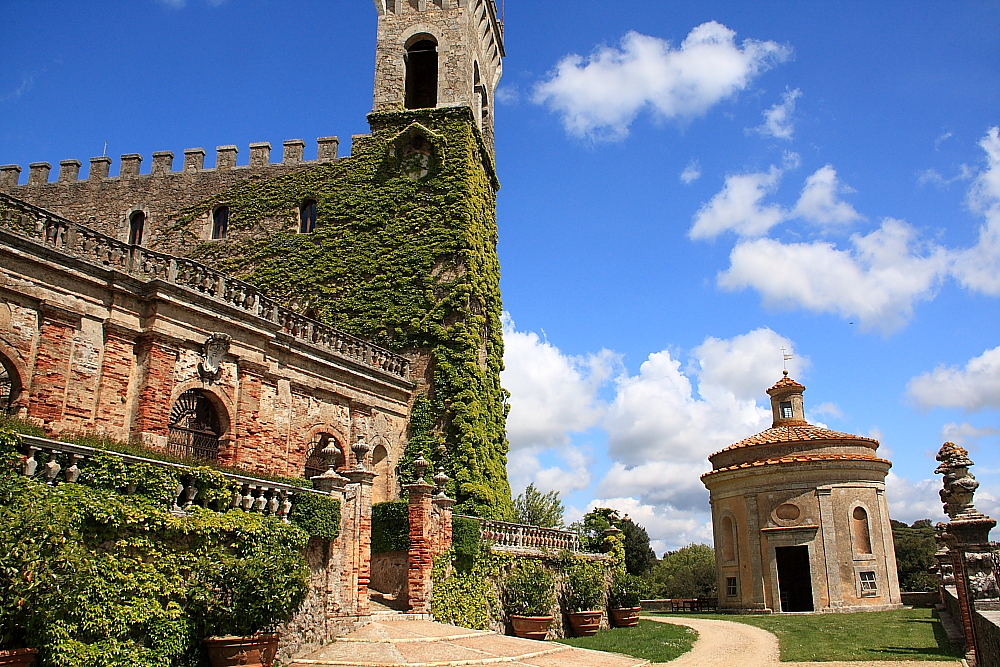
(396, 642)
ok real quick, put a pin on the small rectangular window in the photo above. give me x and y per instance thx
(307, 217)
(786, 410)
(869, 588)
(731, 587)
(220, 223)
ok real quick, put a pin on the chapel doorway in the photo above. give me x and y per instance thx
(794, 578)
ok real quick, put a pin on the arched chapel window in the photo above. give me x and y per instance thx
(220, 222)
(728, 539)
(421, 75)
(862, 532)
(136, 223)
(194, 427)
(307, 217)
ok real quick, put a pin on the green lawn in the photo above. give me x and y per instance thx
(906, 634)
(656, 642)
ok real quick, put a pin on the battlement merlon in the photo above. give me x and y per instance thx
(194, 161)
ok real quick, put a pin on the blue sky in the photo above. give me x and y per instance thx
(687, 188)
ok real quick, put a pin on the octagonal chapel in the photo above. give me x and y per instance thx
(800, 517)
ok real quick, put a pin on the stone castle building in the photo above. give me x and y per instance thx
(800, 517)
(258, 313)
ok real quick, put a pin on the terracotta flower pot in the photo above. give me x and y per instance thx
(256, 651)
(531, 627)
(19, 657)
(625, 618)
(585, 623)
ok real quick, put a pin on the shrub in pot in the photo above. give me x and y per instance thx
(584, 596)
(529, 595)
(623, 600)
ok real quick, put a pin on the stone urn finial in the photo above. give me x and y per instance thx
(360, 449)
(441, 479)
(959, 484)
(420, 466)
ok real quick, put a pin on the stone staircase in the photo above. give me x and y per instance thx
(395, 640)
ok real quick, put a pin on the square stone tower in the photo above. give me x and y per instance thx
(439, 53)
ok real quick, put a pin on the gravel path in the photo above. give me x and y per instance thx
(731, 644)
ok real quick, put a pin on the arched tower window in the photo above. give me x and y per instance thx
(317, 464)
(220, 222)
(307, 216)
(136, 223)
(10, 385)
(421, 74)
(862, 533)
(194, 426)
(728, 539)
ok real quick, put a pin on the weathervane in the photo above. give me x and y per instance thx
(785, 357)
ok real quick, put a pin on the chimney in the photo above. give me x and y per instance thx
(260, 154)
(38, 173)
(294, 150)
(194, 159)
(328, 147)
(100, 167)
(69, 171)
(10, 174)
(163, 162)
(225, 157)
(130, 165)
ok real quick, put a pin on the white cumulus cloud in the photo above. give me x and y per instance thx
(978, 268)
(878, 280)
(691, 173)
(820, 203)
(738, 207)
(966, 434)
(600, 95)
(972, 388)
(778, 120)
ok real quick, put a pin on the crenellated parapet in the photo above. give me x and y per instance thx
(108, 202)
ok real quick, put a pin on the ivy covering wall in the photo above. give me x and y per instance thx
(404, 254)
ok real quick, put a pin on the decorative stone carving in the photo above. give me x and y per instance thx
(214, 351)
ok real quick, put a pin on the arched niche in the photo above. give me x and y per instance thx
(861, 530)
(384, 482)
(728, 539)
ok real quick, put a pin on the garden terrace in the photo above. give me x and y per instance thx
(516, 537)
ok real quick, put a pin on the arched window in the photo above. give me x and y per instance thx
(194, 426)
(317, 464)
(862, 533)
(10, 385)
(383, 468)
(307, 217)
(421, 75)
(136, 223)
(728, 539)
(220, 222)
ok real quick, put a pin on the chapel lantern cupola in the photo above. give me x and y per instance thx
(787, 405)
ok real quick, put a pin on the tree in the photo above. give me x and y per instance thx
(915, 547)
(688, 572)
(539, 509)
(591, 528)
(639, 557)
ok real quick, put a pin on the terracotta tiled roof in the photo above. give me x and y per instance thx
(799, 458)
(786, 382)
(794, 433)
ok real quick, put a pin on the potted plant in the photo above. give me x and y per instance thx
(623, 600)
(529, 595)
(584, 597)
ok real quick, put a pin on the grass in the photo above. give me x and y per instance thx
(905, 634)
(656, 642)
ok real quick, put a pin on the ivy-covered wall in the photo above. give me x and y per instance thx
(404, 254)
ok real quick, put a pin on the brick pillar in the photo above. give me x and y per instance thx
(358, 505)
(156, 358)
(112, 396)
(443, 512)
(50, 374)
(421, 555)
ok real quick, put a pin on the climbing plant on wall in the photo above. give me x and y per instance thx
(403, 254)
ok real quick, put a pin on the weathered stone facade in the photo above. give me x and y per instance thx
(800, 518)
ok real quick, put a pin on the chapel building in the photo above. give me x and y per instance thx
(800, 517)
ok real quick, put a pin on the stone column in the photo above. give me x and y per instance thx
(756, 553)
(892, 579)
(421, 555)
(826, 516)
(358, 505)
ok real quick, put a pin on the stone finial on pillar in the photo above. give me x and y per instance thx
(421, 554)
(100, 167)
(69, 171)
(295, 150)
(194, 159)
(38, 173)
(260, 154)
(130, 165)
(163, 162)
(225, 157)
(360, 449)
(10, 174)
(328, 148)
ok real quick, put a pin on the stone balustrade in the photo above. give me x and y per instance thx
(504, 536)
(57, 462)
(84, 243)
